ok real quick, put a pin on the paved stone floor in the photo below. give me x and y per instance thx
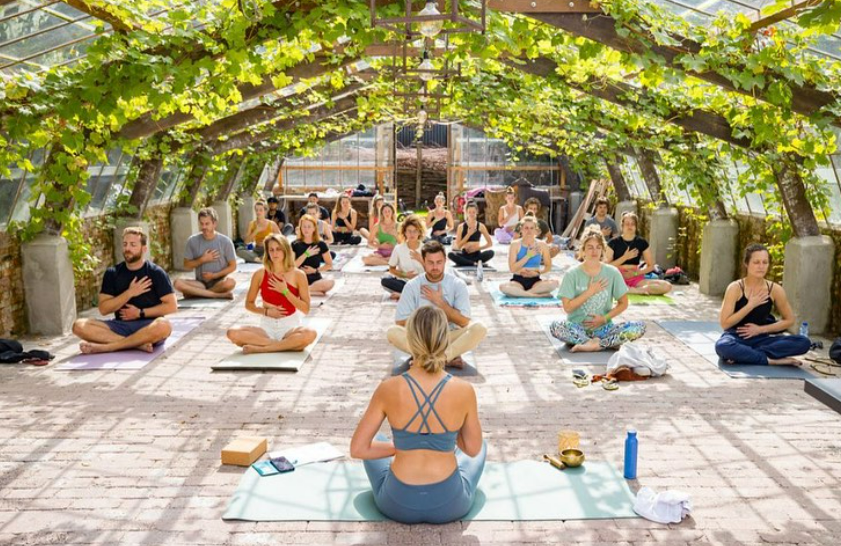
(110, 458)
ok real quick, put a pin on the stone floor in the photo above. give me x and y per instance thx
(133, 457)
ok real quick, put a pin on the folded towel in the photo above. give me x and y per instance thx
(666, 507)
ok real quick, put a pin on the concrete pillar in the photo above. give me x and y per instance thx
(621, 208)
(119, 225)
(245, 215)
(48, 285)
(807, 279)
(183, 222)
(575, 198)
(719, 262)
(226, 218)
(664, 224)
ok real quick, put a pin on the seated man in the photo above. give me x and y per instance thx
(448, 293)
(323, 213)
(139, 294)
(606, 224)
(533, 207)
(278, 216)
(213, 257)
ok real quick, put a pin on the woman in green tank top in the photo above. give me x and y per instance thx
(383, 238)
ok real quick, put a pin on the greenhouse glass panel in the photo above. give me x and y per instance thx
(22, 205)
(99, 182)
(118, 188)
(9, 187)
(757, 206)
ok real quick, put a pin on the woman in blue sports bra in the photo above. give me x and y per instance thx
(429, 473)
(527, 259)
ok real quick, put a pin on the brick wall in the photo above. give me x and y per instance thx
(99, 233)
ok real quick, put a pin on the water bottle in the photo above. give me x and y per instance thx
(479, 273)
(804, 329)
(631, 455)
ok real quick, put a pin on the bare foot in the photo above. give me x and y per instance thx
(395, 296)
(784, 362)
(89, 348)
(226, 296)
(147, 347)
(591, 346)
(254, 349)
(457, 363)
(547, 295)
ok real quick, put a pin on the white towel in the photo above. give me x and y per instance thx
(666, 507)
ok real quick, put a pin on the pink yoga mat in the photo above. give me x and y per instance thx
(131, 360)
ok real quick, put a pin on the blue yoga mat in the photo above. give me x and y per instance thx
(506, 301)
(827, 391)
(518, 491)
(701, 338)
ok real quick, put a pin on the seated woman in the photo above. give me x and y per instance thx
(286, 299)
(527, 259)
(533, 207)
(751, 333)
(430, 472)
(383, 238)
(441, 220)
(325, 232)
(258, 230)
(376, 207)
(588, 291)
(405, 262)
(344, 223)
(624, 252)
(467, 239)
(312, 255)
(509, 215)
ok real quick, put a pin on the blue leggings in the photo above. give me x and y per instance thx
(440, 502)
(758, 349)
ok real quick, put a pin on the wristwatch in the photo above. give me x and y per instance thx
(142, 313)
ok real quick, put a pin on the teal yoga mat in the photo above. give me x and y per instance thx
(701, 337)
(518, 491)
(505, 301)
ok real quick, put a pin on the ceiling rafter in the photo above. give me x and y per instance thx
(784, 14)
(102, 14)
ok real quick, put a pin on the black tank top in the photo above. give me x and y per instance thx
(473, 238)
(760, 315)
(440, 224)
(342, 220)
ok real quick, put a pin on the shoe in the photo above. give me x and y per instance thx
(609, 384)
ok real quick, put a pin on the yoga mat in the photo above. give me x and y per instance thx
(506, 301)
(212, 303)
(285, 362)
(355, 265)
(569, 358)
(518, 491)
(828, 391)
(642, 299)
(341, 260)
(401, 364)
(132, 359)
(339, 283)
(472, 268)
(248, 267)
(701, 338)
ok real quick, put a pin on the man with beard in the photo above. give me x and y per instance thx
(139, 294)
(278, 216)
(213, 257)
(448, 293)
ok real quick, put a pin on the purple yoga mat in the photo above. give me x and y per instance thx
(131, 360)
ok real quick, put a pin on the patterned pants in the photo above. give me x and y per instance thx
(610, 335)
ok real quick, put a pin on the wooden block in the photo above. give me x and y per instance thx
(244, 451)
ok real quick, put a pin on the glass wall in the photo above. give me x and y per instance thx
(106, 183)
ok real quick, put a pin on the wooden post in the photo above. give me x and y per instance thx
(618, 179)
(149, 172)
(645, 158)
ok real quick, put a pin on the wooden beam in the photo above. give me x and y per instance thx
(623, 94)
(784, 14)
(149, 172)
(100, 13)
(806, 99)
(618, 179)
(645, 159)
(544, 6)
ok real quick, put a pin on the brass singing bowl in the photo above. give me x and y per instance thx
(572, 457)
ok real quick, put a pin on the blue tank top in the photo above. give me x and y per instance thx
(533, 263)
(405, 440)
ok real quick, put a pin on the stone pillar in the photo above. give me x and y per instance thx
(245, 215)
(719, 262)
(807, 279)
(119, 225)
(183, 222)
(664, 224)
(48, 285)
(225, 226)
(575, 198)
(621, 208)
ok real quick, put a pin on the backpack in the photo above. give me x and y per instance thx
(835, 350)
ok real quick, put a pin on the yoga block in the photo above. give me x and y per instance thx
(244, 451)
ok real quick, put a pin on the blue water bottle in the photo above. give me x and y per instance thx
(804, 329)
(631, 455)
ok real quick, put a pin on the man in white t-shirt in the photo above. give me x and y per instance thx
(448, 293)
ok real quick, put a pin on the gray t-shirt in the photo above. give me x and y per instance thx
(454, 289)
(608, 223)
(198, 245)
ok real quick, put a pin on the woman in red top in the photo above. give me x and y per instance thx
(285, 296)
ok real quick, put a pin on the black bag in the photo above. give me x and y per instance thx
(11, 352)
(835, 350)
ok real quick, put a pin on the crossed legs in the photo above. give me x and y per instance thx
(651, 287)
(461, 340)
(195, 289)
(253, 339)
(98, 338)
(541, 289)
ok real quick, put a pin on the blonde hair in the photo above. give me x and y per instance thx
(299, 232)
(593, 232)
(427, 333)
(288, 254)
(411, 220)
(136, 231)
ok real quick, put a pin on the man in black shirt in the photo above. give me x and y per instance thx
(139, 294)
(278, 216)
(323, 213)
